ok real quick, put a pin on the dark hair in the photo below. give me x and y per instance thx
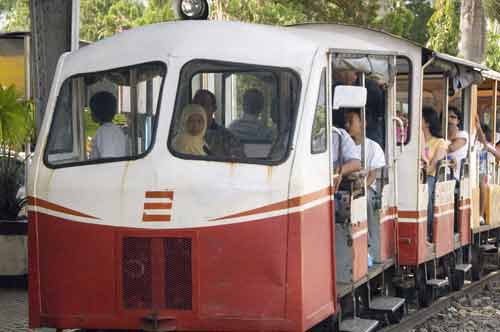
(204, 98)
(431, 117)
(457, 113)
(356, 111)
(253, 101)
(103, 106)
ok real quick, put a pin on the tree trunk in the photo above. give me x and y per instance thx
(472, 30)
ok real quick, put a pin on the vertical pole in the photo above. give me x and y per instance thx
(493, 117)
(53, 25)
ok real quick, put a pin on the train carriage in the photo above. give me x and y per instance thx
(235, 219)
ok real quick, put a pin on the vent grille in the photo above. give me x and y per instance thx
(178, 276)
(137, 272)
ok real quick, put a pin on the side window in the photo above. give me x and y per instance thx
(318, 138)
(105, 116)
(234, 112)
(403, 97)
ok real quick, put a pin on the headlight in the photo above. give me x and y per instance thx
(194, 9)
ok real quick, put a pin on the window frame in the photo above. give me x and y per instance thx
(321, 86)
(46, 161)
(245, 69)
(410, 97)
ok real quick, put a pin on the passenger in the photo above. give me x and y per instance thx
(484, 147)
(434, 151)
(193, 125)
(351, 158)
(249, 127)
(458, 140)
(109, 140)
(375, 159)
(220, 141)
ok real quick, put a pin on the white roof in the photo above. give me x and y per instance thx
(217, 40)
(292, 46)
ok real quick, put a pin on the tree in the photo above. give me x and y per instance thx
(399, 20)
(493, 51)
(492, 9)
(157, 11)
(472, 30)
(444, 26)
(17, 16)
(422, 12)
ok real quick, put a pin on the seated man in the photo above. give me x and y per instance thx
(109, 140)
(375, 159)
(221, 142)
(249, 127)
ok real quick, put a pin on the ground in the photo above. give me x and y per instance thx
(14, 311)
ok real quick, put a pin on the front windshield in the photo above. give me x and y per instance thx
(105, 116)
(234, 112)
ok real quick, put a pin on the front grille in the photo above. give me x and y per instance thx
(178, 276)
(137, 272)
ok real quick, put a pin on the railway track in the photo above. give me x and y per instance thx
(413, 320)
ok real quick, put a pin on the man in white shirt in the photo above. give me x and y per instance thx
(375, 159)
(109, 140)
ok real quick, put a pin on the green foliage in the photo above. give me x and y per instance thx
(422, 12)
(493, 51)
(399, 21)
(492, 9)
(16, 128)
(157, 11)
(444, 26)
(16, 119)
(17, 16)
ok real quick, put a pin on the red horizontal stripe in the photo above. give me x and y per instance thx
(290, 203)
(55, 207)
(160, 194)
(157, 206)
(155, 217)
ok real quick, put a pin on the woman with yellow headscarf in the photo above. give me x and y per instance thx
(193, 125)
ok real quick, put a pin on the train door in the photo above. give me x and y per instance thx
(440, 180)
(362, 127)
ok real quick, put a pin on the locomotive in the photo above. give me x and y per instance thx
(265, 234)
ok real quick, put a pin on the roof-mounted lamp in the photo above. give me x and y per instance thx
(191, 9)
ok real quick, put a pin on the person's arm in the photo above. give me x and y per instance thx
(439, 155)
(371, 177)
(495, 151)
(350, 166)
(456, 144)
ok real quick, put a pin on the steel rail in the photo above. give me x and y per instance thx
(411, 321)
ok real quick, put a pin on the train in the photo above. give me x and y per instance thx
(224, 202)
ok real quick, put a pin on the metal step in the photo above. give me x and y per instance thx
(386, 303)
(463, 267)
(439, 283)
(358, 325)
(488, 247)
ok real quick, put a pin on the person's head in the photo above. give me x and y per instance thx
(207, 100)
(454, 118)
(253, 102)
(194, 120)
(345, 77)
(103, 107)
(431, 121)
(353, 123)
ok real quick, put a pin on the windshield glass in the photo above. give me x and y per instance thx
(105, 116)
(234, 112)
